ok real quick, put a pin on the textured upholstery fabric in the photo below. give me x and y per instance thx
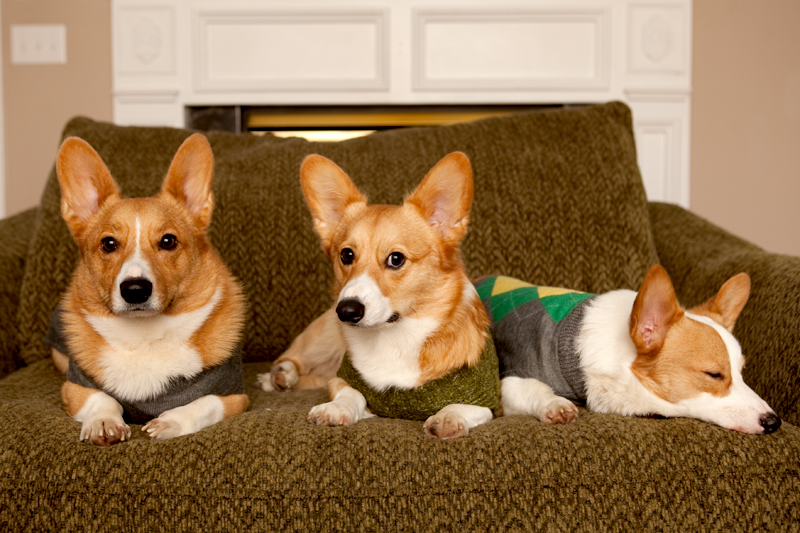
(559, 202)
(15, 236)
(270, 470)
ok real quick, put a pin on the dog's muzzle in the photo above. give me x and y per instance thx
(136, 290)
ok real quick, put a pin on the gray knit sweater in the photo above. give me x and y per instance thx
(534, 330)
(222, 380)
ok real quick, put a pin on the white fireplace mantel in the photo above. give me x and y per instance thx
(169, 54)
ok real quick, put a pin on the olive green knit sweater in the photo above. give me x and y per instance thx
(477, 385)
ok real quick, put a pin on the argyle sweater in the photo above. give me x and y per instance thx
(477, 385)
(535, 329)
(224, 379)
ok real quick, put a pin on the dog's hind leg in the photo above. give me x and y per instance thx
(311, 360)
(455, 420)
(528, 396)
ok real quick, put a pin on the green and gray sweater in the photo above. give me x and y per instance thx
(535, 329)
(477, 385)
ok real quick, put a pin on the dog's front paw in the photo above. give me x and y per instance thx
(559, 411)
(163, 428)
(105, 431)
(331, 414)
(284, 375)
(445, 425)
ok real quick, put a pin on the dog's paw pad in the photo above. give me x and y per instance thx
(446, 426)
(560, 411)
(161, 429)
(105, 431)
(330, 414)
(284, 375)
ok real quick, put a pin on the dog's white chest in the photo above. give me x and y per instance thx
(389, 357)
(144, 354)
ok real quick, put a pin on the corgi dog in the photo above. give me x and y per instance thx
(405, 312)
(149, 327)
(624, 352)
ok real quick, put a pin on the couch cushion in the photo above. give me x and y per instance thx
(270, 470)
(558, 201)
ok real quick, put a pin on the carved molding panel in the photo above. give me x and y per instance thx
(508, 49)
(657, 39)
(145, 40)
(291, 51)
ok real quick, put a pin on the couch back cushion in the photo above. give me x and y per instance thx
(558, 201)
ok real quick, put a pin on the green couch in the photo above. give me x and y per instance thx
(558, 201)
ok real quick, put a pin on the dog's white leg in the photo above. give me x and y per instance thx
(456, 420)
(347, 407)
(101, 416)
(186, 419)
(528, 396)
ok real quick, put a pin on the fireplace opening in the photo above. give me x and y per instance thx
(335, 123)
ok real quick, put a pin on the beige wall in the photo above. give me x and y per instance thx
(745, 112)
(40, 99)
(745, 169)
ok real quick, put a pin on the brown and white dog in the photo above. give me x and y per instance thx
(405, 311)
(152, 318)
(642, 354)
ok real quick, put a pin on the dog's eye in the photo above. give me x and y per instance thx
(168, 242)
(347, 256)
(714, 375)
(395, 260)
(108, 244)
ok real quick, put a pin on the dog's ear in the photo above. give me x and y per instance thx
(724, 308)
(189, 179)
(328, 192)
(445, 197)
(86, 184)
(655, 309)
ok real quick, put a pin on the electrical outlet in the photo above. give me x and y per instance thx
(44, 44)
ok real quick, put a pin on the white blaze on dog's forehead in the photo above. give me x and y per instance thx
(135, 266)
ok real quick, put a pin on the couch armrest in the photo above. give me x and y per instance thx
(699, 257)
(15, 235)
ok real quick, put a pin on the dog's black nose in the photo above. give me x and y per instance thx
(136, 290)
(350, 310)
(770, 422)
